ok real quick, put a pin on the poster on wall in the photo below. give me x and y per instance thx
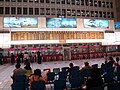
(117, 25)
(94, 23)
(20, 22)
(61, 23)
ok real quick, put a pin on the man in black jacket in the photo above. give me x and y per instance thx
(39, 57)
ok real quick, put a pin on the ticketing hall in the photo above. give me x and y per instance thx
(75, 29)
(60, 38)
(63, 31)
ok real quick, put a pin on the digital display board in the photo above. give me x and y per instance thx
(20, 22)
(117, 25)
(60, 22)
(94, 23)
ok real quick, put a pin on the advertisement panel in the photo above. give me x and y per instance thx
(61, 23)
(94, 23)
(20, 22)
(117, 25)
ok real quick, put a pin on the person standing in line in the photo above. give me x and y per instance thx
(12, 58)
(35, 55)
(39, 57)
(26, 56)
(21, 57)
(106, 57)
(18, 58)
(1, 59)
(32, 57)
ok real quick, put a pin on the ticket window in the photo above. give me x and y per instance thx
(45, 52)
(99, 49)
(84, 50)
(74, 50)
(57, 51)
(111, 48)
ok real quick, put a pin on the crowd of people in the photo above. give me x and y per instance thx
(94, 80)
(21, 57)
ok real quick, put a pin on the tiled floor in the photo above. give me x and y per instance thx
(6, 69)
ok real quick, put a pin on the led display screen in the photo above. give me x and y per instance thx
(60, 22)
(20, 22)
(117, 25)
(94, 23)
